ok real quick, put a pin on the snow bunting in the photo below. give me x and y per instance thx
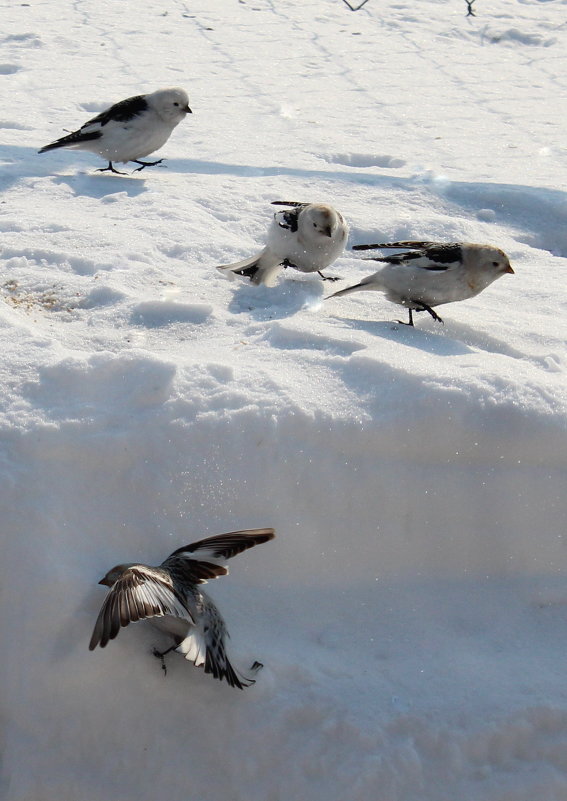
(432, 273)
(169, 595)
(131, 129)
(307, 237)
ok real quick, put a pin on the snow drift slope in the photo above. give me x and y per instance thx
(411, 612)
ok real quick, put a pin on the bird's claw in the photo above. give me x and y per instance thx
(110, 168)
(146, 164)
(160, 655)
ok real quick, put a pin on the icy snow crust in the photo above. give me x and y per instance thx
(411, 614)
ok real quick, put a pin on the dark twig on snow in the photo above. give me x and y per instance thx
(359, 6)
(470, 12)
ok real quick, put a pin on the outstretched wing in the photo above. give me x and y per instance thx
(205, 559)
(141, 592)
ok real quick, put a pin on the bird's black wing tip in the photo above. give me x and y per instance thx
(367, 247)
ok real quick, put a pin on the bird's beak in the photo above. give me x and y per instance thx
(328, 231)
(510, 270)
(187, 110)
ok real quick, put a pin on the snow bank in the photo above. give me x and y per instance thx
(410, 613)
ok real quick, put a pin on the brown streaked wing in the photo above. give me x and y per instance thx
(186, 570)
(194, 563)
(141, 592)
(224, 546)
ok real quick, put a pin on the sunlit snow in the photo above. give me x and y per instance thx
(411, 614)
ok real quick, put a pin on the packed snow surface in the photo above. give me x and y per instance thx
(411, 614)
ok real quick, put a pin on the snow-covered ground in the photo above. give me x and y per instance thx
(412, 612)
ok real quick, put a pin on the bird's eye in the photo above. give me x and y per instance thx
(314, 225)
(176, 104)
(496, 264)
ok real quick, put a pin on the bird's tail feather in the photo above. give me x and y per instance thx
(348, 290)
(248, 272)
(71, 139)
(213, 658)
(52, 146)
(193, 647)
(240, 266)
(260, 269)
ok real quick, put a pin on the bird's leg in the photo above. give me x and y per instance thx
(425, 307)
(110, 168)
(329, 277)
(161, 655)
(287, 263)
(401, 322)
(145, 164)
(422, 307)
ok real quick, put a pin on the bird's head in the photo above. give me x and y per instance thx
(319, 220)
(171, 104)
(498, 261)
(485, 264)
(495, 261)
(113, 575)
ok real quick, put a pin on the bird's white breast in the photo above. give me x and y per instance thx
(315, 254)
(132, 139)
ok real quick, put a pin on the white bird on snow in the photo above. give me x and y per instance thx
(432, 273)
(170, 597)
(307, 237)
(130, 129)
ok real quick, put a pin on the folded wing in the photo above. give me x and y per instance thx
(425, 255)
(410, 244)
